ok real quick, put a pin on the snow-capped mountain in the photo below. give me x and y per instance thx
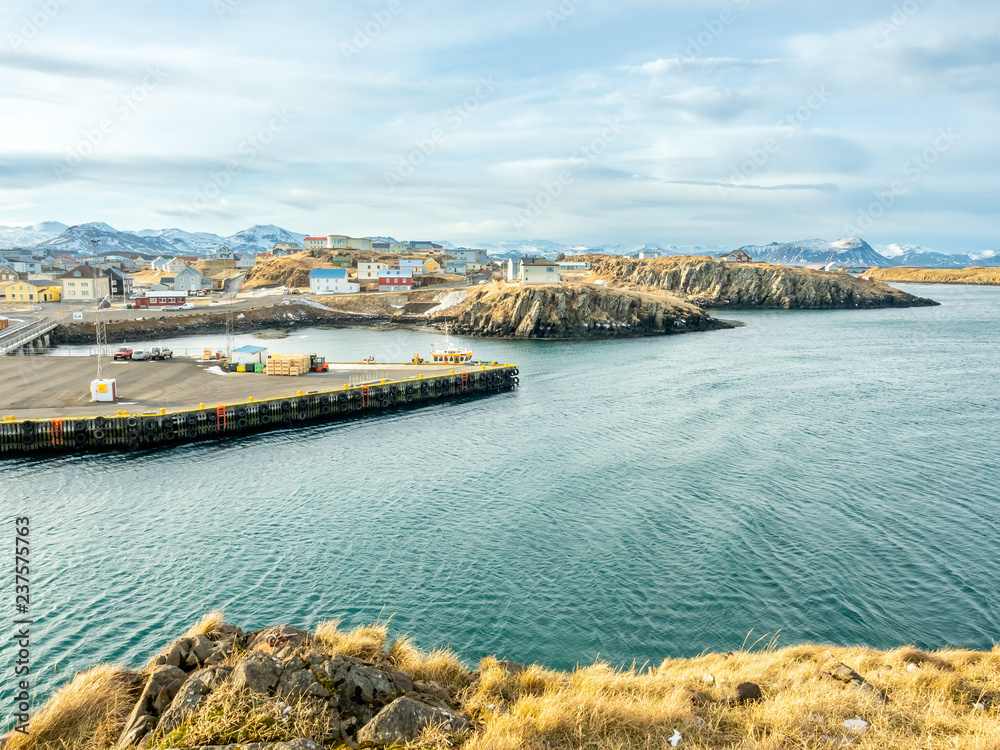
(76, 240)
(848, 252)
(930, 259)
(260, 237)
(11, 237)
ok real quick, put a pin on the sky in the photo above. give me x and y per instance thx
(577, 121)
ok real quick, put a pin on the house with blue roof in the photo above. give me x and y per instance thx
(331, 281)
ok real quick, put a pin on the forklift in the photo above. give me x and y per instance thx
(318, 363)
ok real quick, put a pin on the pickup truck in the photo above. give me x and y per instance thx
(160, 352)
(123, 352)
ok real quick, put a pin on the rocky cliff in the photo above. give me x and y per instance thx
(572, 311)
(985, 276)
(709, 282)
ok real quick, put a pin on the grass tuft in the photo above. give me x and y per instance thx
(364, 642)
(88, 713)
(208, 624)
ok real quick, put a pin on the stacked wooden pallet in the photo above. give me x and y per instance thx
(287, 364)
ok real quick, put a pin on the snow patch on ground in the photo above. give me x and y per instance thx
(313, 303)
(216, 370)
(450, 300)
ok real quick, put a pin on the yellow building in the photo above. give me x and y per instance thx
(84, 284)
(36, 290)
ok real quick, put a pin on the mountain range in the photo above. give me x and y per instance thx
(55, 238)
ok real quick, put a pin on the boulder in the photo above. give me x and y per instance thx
(748, 692)
(256, 675)
(404, 719)
(281, 641)
(190, 696)
(301, 682)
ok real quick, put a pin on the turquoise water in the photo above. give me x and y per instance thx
(832, 475)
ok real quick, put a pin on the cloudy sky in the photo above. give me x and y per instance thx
(581, 121)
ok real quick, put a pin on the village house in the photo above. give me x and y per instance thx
(37, 290)
(189, 279)
(368, 270)
(399, 248)
(160, 299)
(380, 246)
(737, 256)
(456, 266)
(286, 247)
(246, 261)
(338, 242)
(420, 265)
(84, 284)
(395, 280)
(331, 281)
(573, 265)
(7, 274)
(120, 282)
(168, 265)
(538, 271)
(475, 260)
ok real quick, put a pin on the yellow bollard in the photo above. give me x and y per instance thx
(163, 411)
(250, 400)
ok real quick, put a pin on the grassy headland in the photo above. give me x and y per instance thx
(975, 275)
(336, 688)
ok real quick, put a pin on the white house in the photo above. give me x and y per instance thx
(314, 243)
(369, 270)
(331, 281)
(246, 261)
(571, 265)
(538, 271)
(190, 279)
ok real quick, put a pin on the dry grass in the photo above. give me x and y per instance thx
(87, 713)
(441, 665)
(364, 642)
(208, 624)
(932, 705)
(230, 717)
(944, 699)
(976, 275)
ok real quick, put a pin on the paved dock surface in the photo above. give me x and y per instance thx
(59, 387)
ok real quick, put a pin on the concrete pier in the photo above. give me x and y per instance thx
(45, 403)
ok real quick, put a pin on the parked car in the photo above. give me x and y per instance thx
(123, 352)
(187, 306)
(160, 352)
(171, 308)
(139, 354)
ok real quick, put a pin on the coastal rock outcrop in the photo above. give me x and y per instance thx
(572, 311)
(358, 700)
(714, 283)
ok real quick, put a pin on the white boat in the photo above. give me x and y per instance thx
(449, 353)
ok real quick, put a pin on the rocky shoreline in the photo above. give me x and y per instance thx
(284, 688)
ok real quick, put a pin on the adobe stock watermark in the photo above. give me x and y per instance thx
(121, 109)
(224, 7)
(552, 190)
(251, 148)
(454, 119)
(561, 13)
(31, 26)
(786, 127)
(364, 35)
(900, 16)
(913, 170)
(714, 29)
